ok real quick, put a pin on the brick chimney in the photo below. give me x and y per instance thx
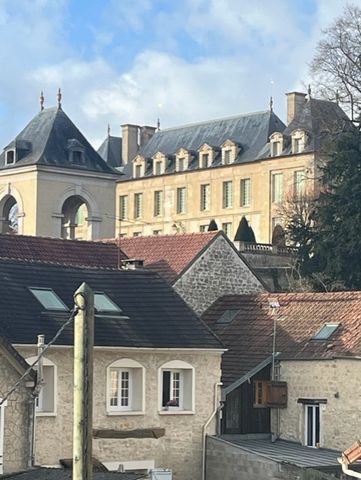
(129, 142)
(295, 102)
(146, 133)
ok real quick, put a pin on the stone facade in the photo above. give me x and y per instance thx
(16, 419)
(227, 461)
(218, 271)
(335, 381)
(181, 447)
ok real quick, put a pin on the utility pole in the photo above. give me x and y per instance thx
(83, 384)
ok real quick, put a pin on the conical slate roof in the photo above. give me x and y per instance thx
(47, 140)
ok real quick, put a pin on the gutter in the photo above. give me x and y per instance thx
(216, 409)
(347, 470)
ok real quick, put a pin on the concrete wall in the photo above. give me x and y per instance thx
(16, 419)
(219, 271)
(259, 213)
(229, 462)
(336, 381)
(180, 448)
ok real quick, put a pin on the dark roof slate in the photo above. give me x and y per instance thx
(301, 315)
(111, 151)
(154, 315)
(251, 131)
(45, 141)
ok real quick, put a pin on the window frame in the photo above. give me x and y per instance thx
(158, 203)
(123, 206)
(126, 365)
(244, 191)
(225, 227)
(227, 196)
(187, 376)
(138, 205)
(47, 363)
(116, 311)
(46, 289)
(13, 151)
(205, 197)
(181, 206)
(279, 197)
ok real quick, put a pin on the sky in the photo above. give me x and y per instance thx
(133, 61)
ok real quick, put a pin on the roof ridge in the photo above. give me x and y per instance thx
(168, 235)
(55, 239)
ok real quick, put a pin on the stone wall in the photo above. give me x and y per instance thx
(227, 461)
(338, 382)
(16, 419)
(181, 447)
(219, 271)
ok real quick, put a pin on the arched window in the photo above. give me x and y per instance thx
(10, 216)
(74, 221)
(125, 387)
(46, 401)
(176, 380)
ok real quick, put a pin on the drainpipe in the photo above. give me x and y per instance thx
(216, 409)
(32, 402)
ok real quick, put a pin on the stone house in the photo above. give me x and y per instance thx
(313, 397)
(201, 267)
(16, 411)
(156, 365)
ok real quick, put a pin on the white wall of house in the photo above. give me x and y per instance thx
(335, 381)
(179, 449)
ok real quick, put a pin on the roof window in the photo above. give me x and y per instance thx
(103, 303)
(227, 316)
(48, 298)
(10, 157)
(326, 331)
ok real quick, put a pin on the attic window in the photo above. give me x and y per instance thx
(78, 157)
(103, 303)
(49, 299)
(326, 331)
(228, 316)
(10, 157)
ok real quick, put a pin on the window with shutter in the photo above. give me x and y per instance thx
(277, 394)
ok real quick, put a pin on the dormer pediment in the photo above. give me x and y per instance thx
(277, 144)
(159, 163)
(183, 159)
(139, 164)
(299, 139)
(230, 150)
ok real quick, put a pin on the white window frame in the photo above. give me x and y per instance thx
(277, 196)
(10, 150)
(158, 203)
(181, 206)
(245, 192)
(204, 160)
(227, 229)
(123, 207)
(39, 408)
(138, 205)
(313, 407)
(299, 139)
(205, 194)
(136, 374)
(299, 183)
(185, 370)
(227, 194)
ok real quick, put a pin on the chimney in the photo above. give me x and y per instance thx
(295, 102)
(146, 133)
(132, 264)
(129, 142)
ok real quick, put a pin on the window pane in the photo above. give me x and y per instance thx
(277, 187)
(113, 388)
(245, 192)
(227, 228)
(103, 303)
(123, 207)
(181, 200)
(166, 388)
(138, 205)
(124, 389)
(204, 160)
(300, 183)
(205, 197)
(158, 201)
(227, 194)
(176, 388)
(48, 299)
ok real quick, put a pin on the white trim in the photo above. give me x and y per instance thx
(176, 365)
(47, 363)
(305, 409)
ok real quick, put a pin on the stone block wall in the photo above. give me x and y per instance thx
(338, 382)
(219, 271)
(181, 447)
(16, 419)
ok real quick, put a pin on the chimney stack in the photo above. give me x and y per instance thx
(295, 102)
(129, 142)
(146, 133)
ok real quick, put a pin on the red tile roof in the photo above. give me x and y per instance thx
(168, 255)
(54, 250)
(300, 316)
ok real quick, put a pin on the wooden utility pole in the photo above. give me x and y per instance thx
(83, 384)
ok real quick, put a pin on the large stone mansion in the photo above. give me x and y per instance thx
(151, 181)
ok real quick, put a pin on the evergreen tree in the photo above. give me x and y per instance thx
(212, 227)
(244, 232)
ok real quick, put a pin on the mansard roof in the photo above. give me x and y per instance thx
(152, 314)
(250, 131)
(111, 151)
(45, 141)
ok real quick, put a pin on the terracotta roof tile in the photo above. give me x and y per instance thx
(168, 255)
(300, 316)
(58, 251)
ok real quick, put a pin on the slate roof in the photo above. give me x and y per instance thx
(168, 255)
(153, 315)
(301, 315)
(251, 131)
(111, 151)
(59, 251)
(46, 140)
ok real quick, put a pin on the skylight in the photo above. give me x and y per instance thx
(326, 331)
(227, 316)
(48, 298)
(103, 303)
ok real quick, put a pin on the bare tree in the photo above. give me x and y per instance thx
(336, 67)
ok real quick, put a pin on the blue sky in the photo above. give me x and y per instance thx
(131, 61)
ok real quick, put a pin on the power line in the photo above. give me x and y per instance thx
(73, 312)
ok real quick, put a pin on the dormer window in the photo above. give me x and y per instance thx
(138, 167)
(276, 144)
(206, 155)
(10, 157)
(299, 139)
(182, 159)
(159, 163)
(204, 160)
(230, 150)
(76, 152)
